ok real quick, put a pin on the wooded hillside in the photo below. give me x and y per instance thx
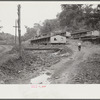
(73, 17)
(6, 38)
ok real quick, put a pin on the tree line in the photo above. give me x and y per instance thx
(6, 38)
(73, 17)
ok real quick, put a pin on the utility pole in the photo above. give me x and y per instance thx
(15, 31)
(19, 31)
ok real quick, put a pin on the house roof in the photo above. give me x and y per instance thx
(41, 37)
(59, 32)
(80, 32)
(44, 37)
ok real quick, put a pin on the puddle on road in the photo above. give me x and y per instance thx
(41, 79)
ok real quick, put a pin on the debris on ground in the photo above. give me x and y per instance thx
(88, 71)
(16, 67)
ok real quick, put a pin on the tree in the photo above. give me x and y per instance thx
(70, 15)
(50, 26)
(92, 17)
(30, 32)
(78, 16)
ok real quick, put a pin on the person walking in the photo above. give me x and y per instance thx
(79, 46)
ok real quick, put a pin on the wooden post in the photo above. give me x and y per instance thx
(19, 31)
(15, 31)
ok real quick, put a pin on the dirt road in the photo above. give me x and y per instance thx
(64, 71)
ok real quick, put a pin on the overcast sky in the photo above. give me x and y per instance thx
(31, 12)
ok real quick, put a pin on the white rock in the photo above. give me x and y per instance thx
(40, 79)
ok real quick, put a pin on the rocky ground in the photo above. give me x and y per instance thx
(67, 66)
(15, 70)
(88, 70)
(81, 68)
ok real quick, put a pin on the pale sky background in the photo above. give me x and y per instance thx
(31, 12)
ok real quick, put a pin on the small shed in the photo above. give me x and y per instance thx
(58, 39)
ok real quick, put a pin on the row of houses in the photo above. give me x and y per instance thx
(61, 37)
(57, 38)
(50, 40)
(85, 34)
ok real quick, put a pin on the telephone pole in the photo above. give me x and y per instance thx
(19, 31)
(15, 31)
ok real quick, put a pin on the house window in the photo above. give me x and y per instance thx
(55, 39)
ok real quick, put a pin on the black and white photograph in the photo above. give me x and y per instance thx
(49, 43)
